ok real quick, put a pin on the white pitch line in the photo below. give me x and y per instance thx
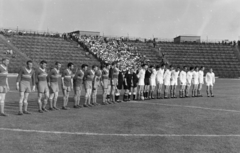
(119, 135)
(195, 107)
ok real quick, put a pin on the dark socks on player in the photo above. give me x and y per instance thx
(134, 96)
(129, 96)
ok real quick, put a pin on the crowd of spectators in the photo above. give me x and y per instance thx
(110, 50)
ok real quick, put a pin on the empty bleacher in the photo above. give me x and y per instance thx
(219, 57)
(15, 58)
(52, 49)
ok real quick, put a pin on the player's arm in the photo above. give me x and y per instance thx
(94, 81)
(213, 78)
(36, 78)
(49, 77)
(19, 79)
(206, 78)
(63, 79)
(7, 84)
(139, 74)
(79, 77)
(172, 75)
(180, 77)
(125, 78)
(33, 80)
(72, 82)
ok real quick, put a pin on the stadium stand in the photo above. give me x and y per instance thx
(219, 57)
(52, 49)
(148, 52)
(110, 50)
(223, 58)
(15, 58)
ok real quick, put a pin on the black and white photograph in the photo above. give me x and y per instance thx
(119, 76)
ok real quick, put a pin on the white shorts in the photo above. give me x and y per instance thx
(167, 83)
(141, 83)
(152, 82)
(159, 81)
(174, 83)
(201, 82)
(195, 82)
(209, 84)
(183, 83)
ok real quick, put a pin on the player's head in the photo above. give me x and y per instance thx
(43, 64)
(94, 67)
(132, 69)
(211, 70)
(178, 68)
(202, 68)
(171, 67)
(120, 67)
(70, 66)
(191, 68)
(185, 68)
(84, 67)
(108, 66)
(151, 67)
(114, 64)
(163, 66)
(157, 67)
(145, 66)
(58, 65)
(29, 64)
(5, 61)
(196, 68)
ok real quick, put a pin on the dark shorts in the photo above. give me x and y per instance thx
(134, 85)
(147, 81)
(120, 85)
(127, 86)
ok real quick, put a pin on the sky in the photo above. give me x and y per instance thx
(210, 19)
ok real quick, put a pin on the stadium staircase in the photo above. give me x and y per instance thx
(51, 49)
(222, 58)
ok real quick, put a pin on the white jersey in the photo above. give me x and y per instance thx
(210, 79)
(167, 77)
(183, 78)
(195, 77)
(200, 76)
(153, 77)
(159, 77)
(189, 77)
(141, 76)
(174, 77)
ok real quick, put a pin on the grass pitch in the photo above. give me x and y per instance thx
(190, 125)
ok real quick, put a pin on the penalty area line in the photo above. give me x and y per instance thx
(120, 135)
(187, 106)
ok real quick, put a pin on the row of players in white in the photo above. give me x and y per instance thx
(169, 77)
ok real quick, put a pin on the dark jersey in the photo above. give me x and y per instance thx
(148, 74)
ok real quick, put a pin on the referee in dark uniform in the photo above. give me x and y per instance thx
(120, 84)
(134, 83)
(147, 83)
